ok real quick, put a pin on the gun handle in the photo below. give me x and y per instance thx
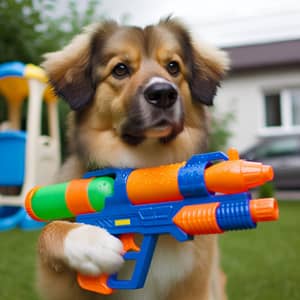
(105, 284)
(142, 259)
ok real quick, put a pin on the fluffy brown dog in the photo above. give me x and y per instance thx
(139, 98)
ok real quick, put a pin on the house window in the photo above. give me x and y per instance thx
(282, 110)
(273, 110)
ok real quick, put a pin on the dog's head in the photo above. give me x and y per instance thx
(131, 87)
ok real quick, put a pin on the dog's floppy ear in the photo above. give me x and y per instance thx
(70, 70)
(207, 67)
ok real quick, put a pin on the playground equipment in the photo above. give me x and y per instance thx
(27, 158)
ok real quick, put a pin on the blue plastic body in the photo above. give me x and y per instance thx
(12, 158)
(152, 220)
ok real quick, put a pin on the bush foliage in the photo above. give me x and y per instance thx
(220, 130)
(30, 28)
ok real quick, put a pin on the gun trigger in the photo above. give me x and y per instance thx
(96, 284)
(129, 243)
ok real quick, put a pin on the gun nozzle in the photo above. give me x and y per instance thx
(235, 176)
(28, 205)
(265, 209)
(255, 174)
(268, 173)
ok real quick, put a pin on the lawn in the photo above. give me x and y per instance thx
(17, 249)
(260, 264)
(265, 263)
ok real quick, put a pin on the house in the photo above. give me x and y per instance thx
(262, 90)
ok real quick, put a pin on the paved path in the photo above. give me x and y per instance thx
(282, 195)
(288, 195)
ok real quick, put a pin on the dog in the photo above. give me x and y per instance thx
(139, 98)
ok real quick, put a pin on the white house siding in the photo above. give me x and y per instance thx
(243, 93)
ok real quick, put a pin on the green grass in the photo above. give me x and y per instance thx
(17, 260)
(265, 263)
(260, 264)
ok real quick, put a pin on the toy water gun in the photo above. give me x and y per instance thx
(207, 194)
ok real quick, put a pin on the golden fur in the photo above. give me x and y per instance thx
(112, 126)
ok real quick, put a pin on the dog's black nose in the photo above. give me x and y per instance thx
(161, 94)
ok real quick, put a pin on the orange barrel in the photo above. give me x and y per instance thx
(152, 185)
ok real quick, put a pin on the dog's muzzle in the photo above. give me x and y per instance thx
(156, 112)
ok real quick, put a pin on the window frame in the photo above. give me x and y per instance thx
(287, 127)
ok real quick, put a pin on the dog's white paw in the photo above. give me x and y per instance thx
(92, 251)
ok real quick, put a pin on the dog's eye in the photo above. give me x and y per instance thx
(120, 71)
(173, 68)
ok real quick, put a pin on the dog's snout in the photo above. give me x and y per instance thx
(161, 94)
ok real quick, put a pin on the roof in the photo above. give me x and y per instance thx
(265, 55)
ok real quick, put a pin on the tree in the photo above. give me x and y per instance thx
(18, 34)
(30, 28)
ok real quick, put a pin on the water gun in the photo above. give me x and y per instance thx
(208, 194)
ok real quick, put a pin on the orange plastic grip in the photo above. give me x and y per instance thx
(198, 219)
(96, 284)
(99, 284)
(154, 185)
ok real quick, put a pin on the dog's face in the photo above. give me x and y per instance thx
(138, 94)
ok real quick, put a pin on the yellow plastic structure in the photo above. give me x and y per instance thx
(41, 156)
